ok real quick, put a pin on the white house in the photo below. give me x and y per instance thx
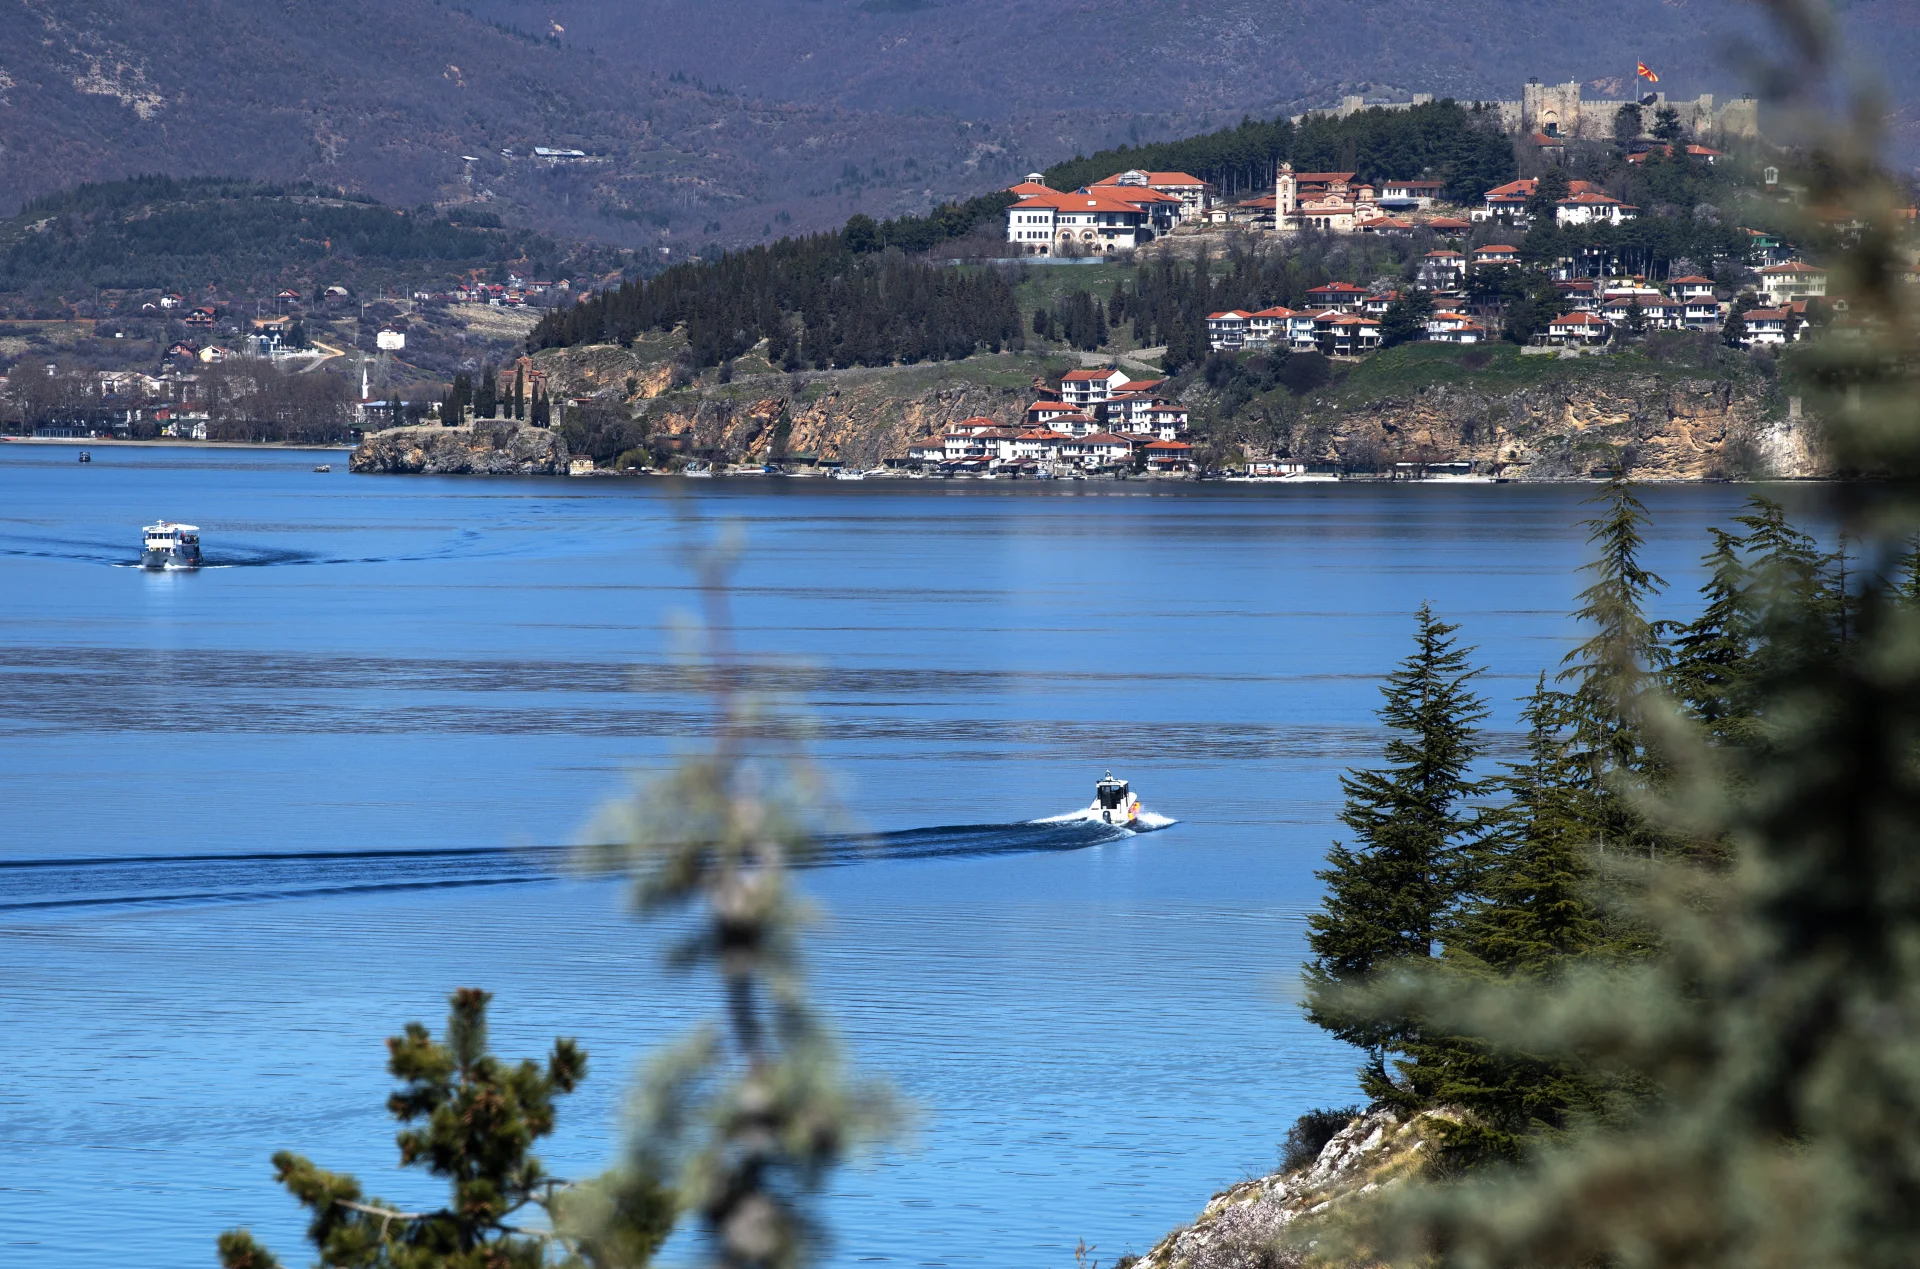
(1578, 330)
(1405, 195)
(1454, 328)
(1591, 207)
(1082, 388)
(1442, 271)
(1691, 287)
(1794, 280)
(1227, 330)
(1768, 326)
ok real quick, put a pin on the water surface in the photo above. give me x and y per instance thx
(258, 817)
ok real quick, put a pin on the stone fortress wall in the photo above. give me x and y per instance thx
(1563, 110)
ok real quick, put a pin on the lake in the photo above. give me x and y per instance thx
(258, 817)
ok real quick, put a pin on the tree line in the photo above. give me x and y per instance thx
(822, 301)
(1463, 146)
(1537, 874)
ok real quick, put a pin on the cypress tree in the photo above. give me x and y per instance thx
(486, 398)
(519, 392)
(1390, 895)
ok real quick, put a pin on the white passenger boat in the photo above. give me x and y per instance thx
(167, 545)
(1114, 802)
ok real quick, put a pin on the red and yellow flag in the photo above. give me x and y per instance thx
(1646, 74)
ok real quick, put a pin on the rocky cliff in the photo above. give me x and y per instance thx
(1527, 417)
(487, 449)
(1257, 1224)
(1661, 427)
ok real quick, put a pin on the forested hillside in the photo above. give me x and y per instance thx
(821, 301)
(158, 233)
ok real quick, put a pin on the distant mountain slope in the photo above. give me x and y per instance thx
(741, 120)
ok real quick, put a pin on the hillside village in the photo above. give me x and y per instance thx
(1555, 261)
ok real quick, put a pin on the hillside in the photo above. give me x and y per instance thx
(736, 123)
(249, 238)
(1658, 410)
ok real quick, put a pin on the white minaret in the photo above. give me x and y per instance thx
(1286, 196)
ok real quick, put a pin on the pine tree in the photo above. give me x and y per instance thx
(1711, 671)
(1389, 896)
(1530, 915)
(473, 1120)
(1531, 912)
(1405, 320)
(1613, 669)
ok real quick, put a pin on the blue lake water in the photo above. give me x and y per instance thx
(254, 819)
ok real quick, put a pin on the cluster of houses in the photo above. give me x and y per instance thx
(1096, 420)
(1131, 208)
(1344, 319)
(515, 292)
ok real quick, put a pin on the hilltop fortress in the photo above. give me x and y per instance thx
(1563, 111)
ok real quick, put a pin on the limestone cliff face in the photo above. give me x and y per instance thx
(859, 423)
(1663, 428)
(497, 449)
(1247, 1225)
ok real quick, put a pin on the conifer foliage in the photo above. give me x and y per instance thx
(1391, 895)
(472, 1119)
(751, 1118)
(820, 302)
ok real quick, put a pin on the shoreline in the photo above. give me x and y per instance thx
(170, 442)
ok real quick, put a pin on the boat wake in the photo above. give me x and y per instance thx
(53, 886)
(1145, 822)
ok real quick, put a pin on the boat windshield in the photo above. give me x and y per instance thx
(1112, 793)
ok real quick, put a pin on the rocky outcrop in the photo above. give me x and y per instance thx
(1247, 1226)
(1661, 427)
(485, 449)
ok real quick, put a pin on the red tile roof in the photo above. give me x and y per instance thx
(1078, 202)
(1156, 178)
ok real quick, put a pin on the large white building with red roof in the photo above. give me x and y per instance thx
(1193, 194)
(1091, 221)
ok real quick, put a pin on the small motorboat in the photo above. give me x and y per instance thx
(324, 467)
(171, 546)
(1114, 802)
(700, 471)
(846, 474)
(85, 457)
